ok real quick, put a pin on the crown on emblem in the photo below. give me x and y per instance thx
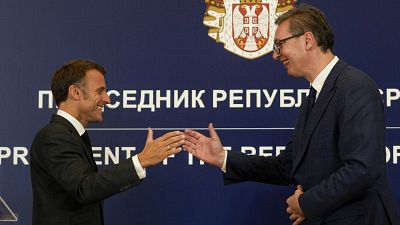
(285, 5)
(217, 3)
(250, 1)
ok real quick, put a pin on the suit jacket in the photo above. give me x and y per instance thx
(67, 188)
(338, 155)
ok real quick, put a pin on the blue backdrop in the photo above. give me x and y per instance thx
(163, 45)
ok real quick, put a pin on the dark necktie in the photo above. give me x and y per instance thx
(313, 95)
(86, 139)
(311, 101)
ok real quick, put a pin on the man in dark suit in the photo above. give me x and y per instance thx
(67, 187)
(336, 156)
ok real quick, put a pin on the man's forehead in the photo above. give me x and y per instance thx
(95, 77)
(281, 31)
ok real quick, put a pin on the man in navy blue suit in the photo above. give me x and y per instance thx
(336, 156)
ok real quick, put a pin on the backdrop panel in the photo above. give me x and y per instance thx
(163, 47)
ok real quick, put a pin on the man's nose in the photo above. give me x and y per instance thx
(275, 55)
(106, 99)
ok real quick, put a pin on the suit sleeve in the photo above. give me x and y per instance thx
(273, 170)
(62, 157)
(360, 121)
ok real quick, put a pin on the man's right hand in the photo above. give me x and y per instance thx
(209, 150)
(157, 150)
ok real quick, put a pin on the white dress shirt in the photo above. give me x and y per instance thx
(319, 81)
(141, 172)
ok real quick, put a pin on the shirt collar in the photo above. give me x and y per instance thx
(78, 126)
(319, 81)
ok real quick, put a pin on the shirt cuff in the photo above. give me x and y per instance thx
(223, 168)
(141, 172)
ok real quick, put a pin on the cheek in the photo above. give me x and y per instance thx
(287, 54)
(293, 57)
(96, 99)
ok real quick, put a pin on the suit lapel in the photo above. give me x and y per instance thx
(305, 129)
(88, 152)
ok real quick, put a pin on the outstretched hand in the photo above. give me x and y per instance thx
(208, 149)
(157, 150)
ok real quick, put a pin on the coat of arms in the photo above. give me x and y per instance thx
(245, 27)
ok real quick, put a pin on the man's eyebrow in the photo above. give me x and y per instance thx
(101, 89)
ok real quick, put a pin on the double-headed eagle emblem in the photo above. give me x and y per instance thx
(246, 27)
(250, 26)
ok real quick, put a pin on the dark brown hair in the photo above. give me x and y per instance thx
(71, 73)
(306, 18)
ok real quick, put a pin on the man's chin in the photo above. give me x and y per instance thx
(96, 120)
(293, 74)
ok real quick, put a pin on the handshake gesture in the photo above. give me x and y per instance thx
(207, 149)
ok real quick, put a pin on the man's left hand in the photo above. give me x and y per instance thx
(296, 214)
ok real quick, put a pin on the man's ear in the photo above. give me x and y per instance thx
(74, 92)
(309, 40)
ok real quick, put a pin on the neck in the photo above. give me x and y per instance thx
(70, 110)
(318, 62)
